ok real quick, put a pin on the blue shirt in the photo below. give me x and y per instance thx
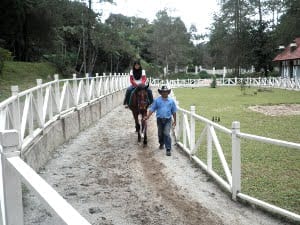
(164, 108)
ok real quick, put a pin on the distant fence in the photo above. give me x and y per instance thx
(28, 116)
(263, 82)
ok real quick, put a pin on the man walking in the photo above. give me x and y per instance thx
(165, 108)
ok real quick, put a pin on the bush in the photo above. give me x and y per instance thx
(5, 55)
(213, 84)
(152, 70)
(64, 65)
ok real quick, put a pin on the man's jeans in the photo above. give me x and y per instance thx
(164, 127)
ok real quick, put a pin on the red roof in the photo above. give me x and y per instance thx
(288, 53)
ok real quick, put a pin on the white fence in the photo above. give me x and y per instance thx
(25, 115)
(265, 82)
(186, 138)
(22, 118)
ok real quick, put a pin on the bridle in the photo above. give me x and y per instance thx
(142, 100)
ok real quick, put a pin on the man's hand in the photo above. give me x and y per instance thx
(174, 123)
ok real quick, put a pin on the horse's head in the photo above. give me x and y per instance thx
(142, 97)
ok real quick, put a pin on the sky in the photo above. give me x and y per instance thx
(197, 12)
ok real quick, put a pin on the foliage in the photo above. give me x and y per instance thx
(23, 74)
(241, 35)
(5, 55)
(181, 75)
(247, 33)
(243, 86)
(170, 41)
(289, 23)
(213, 84)
(152, 70)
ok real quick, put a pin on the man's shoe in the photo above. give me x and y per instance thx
(168, 153)
(126, 106)
(161, 146)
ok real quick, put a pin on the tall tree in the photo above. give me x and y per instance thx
(170, 41)
(289, 23)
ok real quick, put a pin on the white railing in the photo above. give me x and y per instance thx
(267, 82)
(24, 116)
(30, 111)
(186, 138)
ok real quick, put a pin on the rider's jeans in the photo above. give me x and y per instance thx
(164, 127)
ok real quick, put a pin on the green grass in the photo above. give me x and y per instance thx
(269, 173)
(24, 75)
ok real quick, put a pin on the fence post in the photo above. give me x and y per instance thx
(87, 86)
(12, 206)
(209, 149)
(16, 110)
(57, 90)
(178, 122)
(192, 125)
(184, 130)
(40, 102)
(75, 88)
(236, 160)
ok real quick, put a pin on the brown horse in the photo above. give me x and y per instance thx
(138, 104)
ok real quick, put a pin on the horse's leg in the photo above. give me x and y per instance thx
(139, 136)
(145, 137)
(137, 125)
(144, 129)
(136, 120)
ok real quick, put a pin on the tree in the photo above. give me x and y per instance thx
(170, 41)
(243, 33)
(289, 23)
(14, 26)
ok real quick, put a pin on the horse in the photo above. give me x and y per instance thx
(138, 105)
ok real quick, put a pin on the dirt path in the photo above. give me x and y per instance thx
(111, 179)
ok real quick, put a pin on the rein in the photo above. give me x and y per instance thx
(142, 103)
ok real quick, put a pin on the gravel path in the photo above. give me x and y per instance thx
(111, 179)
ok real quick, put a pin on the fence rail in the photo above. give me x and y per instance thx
(263, 82)
(25, 115)
(185, 135)
(30, 111)
(22, 118)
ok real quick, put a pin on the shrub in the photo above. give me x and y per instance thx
(213, 84)
(5, 55)
(63, 64)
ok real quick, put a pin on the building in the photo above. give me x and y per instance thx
(289, 60)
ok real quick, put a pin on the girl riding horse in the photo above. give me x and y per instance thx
(137, 77)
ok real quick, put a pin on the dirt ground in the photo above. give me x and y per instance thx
(278, 110)
(110, 178)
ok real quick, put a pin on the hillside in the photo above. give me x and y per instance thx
(23, 74)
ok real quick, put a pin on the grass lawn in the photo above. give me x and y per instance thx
(23, 74)
(269, 173)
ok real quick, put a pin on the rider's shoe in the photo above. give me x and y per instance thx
(126, 106)
(161, 146)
